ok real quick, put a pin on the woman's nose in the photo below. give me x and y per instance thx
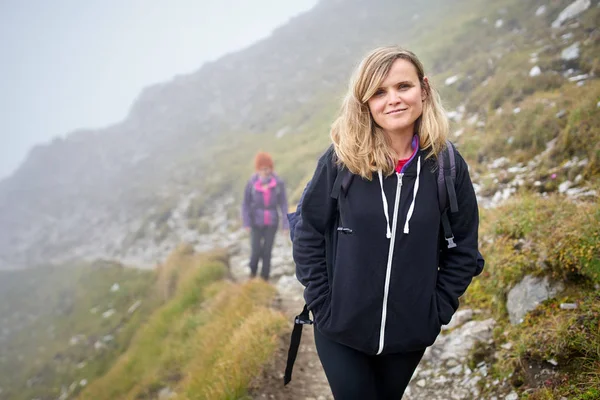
(393, 97)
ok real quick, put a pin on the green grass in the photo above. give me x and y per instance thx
(207, 342)
(51, 305)
(544, 237)
(534, 235)
(570, 338)
(194, 332)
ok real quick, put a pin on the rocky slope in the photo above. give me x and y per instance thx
(121, 192)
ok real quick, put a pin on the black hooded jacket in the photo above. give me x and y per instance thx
(392, 284)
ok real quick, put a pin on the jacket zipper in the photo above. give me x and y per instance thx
(388, 272)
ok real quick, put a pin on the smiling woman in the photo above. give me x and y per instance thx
(381, 289)
(390, 100)
(398, 102)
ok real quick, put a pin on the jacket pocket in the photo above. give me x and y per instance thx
(437, 323)
(322, 310)
(445, 311)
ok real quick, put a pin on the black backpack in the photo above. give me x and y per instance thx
(446, 176)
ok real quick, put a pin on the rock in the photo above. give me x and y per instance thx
(579, 78)
(516, 110)
(75, 340)
(535, 71)
(562, 188)
(574, 9)
(499, 23)
(289, 286)
(451, 80)
(512, 396)
(540, 11)
(528, 294)
(458, 343)
(473, 119)
(166, 393)
(83, 382)
(553, 362)
(577, 193)
(507, 346)
(501, 196)
(455, 370)
(134, 307)
(459, 318)
(561, 113)
(281, 133)
(283, 269)
(421, 383)
(568, 306)
(571, 52)
(499, 163)
(115, 287)
(454, 116)
(451, 363)
(108, 313)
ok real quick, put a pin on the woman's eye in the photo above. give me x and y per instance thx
(404, 86)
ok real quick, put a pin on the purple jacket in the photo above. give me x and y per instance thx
(262, 202)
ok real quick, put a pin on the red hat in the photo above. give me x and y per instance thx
(263, 160)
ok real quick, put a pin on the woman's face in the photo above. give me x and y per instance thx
(265, 172)
(398, 102)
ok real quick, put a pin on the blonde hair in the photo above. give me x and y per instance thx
(359, 143)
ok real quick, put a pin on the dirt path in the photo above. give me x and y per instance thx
(308, 379)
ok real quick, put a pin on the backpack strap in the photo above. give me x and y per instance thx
(342, 182)
(450, 177)
(340, 185)
(446, 192)
(299, 322)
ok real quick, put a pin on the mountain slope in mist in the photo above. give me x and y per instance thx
(134, 190)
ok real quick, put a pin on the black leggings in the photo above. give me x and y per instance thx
(262, 238)
(356, 375)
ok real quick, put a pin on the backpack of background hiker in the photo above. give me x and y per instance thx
(448, 204)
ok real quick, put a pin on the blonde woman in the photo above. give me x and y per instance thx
(378, 276)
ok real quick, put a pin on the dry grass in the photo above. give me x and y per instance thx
(207, 342)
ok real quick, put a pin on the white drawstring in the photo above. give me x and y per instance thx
(388, 233)
(415, 190)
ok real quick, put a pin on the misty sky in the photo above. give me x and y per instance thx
(69, 64)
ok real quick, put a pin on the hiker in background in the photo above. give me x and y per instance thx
(264, 200)
(379, 277)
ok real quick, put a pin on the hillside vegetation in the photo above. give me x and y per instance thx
(545, 237)
(62, 326)
(193, 332)
(207, 342)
